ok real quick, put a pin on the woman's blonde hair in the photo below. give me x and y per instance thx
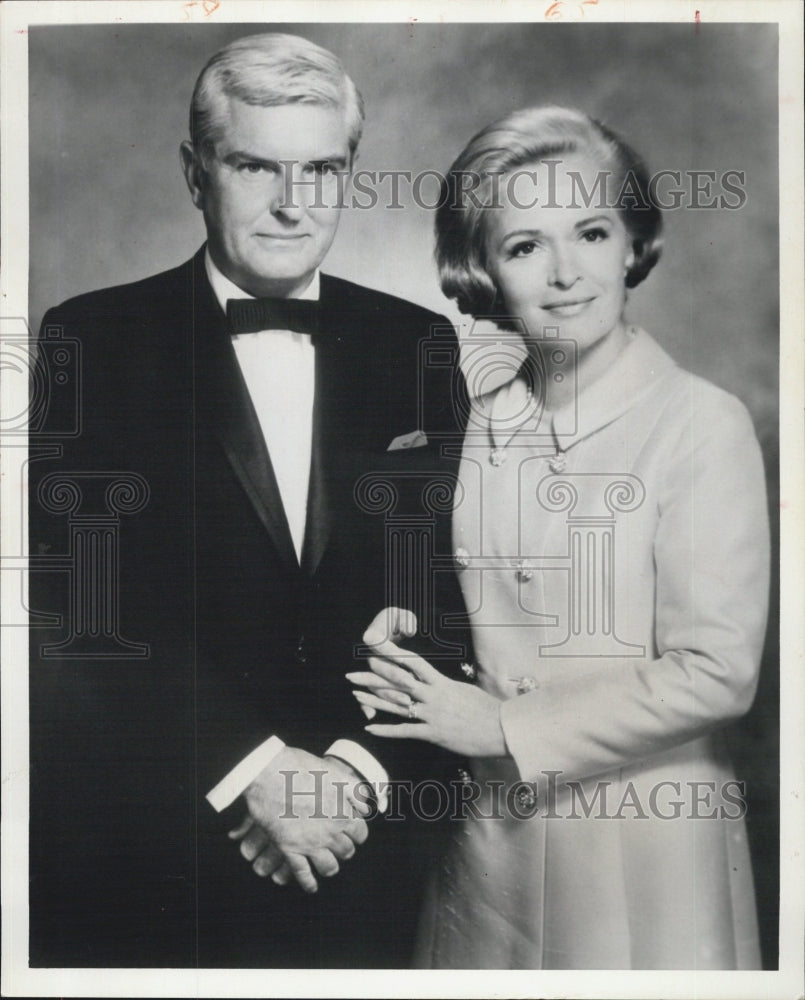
(523, 138)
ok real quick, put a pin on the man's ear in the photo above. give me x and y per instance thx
(193, 172)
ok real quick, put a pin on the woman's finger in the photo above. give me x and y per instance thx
(381, 704)
(369, 680)
(400, 731)
(402, 680)
(391, 623)
(409, 661)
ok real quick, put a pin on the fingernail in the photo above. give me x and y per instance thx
(408, 624)
(369, 712)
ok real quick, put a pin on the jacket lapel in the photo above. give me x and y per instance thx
(319, 513)
(335, 409)
(225, 409)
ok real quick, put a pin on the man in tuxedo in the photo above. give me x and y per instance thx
(200, 771)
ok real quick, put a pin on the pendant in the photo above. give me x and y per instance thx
(469, 671)
(497, 456)
(525, 684)
(558, 463)
(462, 558)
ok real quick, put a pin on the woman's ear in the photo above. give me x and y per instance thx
(629, 262)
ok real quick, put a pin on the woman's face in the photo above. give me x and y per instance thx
(560, 263)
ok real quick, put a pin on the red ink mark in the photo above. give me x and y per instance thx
(21, 31)
(697, 17)
(207, 6)
(561, 8)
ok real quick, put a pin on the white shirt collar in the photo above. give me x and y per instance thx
(225, 289)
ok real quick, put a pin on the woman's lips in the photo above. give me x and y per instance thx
(570, 308)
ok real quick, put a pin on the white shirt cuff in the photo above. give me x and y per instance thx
(367, 767)
(243, 774)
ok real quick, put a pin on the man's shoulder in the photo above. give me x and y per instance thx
(157, 292)
(370, 301)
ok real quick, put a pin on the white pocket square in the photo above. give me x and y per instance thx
(416, 439)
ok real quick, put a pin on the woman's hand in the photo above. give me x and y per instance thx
(452, 714)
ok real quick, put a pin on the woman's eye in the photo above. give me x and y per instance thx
(594, 235)
(523, 249)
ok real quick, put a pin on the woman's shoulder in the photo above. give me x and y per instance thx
(691, 399)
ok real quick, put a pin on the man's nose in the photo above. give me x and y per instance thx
(289, 197)
(564, 268)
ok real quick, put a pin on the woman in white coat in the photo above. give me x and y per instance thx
(611, 535)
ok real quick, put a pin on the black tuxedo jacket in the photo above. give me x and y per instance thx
(189, 633)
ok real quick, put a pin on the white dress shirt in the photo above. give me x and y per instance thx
(279, 369)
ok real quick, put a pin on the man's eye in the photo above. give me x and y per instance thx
(251, 168)
(596, 235)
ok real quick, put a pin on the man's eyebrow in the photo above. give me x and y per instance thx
(337, 160)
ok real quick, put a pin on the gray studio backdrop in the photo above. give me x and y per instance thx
(108, 108)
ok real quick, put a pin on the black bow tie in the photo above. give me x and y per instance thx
(253, 315)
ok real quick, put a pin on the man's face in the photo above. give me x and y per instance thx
(271, 193)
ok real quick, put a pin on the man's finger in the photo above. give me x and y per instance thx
(343, 848)
(282, 876)
(361, 805)
(243, 829)
(325, 862)
(356, 829)
(255, 841)
(268, 861)
(300, 869)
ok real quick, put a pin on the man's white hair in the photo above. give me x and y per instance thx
(269, 70)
